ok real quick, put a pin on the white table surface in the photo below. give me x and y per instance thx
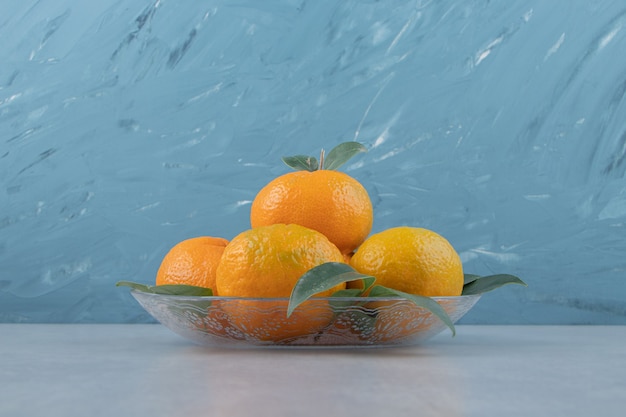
(146, 370)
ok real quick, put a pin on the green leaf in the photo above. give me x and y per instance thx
(338, 303)
(349, 292)
(171, 289)
(322, 278)
(425, 302)
(467, 278)
(484, 284)
(367, 281)
(341, 153)
(301, 162)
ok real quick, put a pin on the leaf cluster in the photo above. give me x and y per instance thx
(338, 156)
(331, 274)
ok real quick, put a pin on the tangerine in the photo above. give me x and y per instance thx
(331, 202)
(413, 260)
(265, 262)
(192, 262)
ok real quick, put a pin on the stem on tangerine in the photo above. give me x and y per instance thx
(321, 165)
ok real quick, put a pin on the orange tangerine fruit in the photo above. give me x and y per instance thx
(330, 202)
(265, 262)
(192, 262)
(413, 260)
(318, 197)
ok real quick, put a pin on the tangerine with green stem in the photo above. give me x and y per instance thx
(319, 197)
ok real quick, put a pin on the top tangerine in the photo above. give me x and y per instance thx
(328, 201)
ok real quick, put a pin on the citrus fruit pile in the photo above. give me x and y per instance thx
(310, 241)
(310, 238)
(307, 218)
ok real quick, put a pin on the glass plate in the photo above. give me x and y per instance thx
(318, 322)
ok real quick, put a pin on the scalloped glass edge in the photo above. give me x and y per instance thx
(324, 322)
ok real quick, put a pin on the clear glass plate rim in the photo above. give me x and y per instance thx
(286, 299)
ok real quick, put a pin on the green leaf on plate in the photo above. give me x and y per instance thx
(349, 292)
(341, 153)
(322, 278)
(301, 162)
(170, 289)
(421, 301)
(484, 284)
(467, 278)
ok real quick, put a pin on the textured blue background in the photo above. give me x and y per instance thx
(127, 126)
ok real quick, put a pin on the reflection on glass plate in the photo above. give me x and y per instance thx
(318, 322)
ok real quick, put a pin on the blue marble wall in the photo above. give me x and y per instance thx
(127, 126)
